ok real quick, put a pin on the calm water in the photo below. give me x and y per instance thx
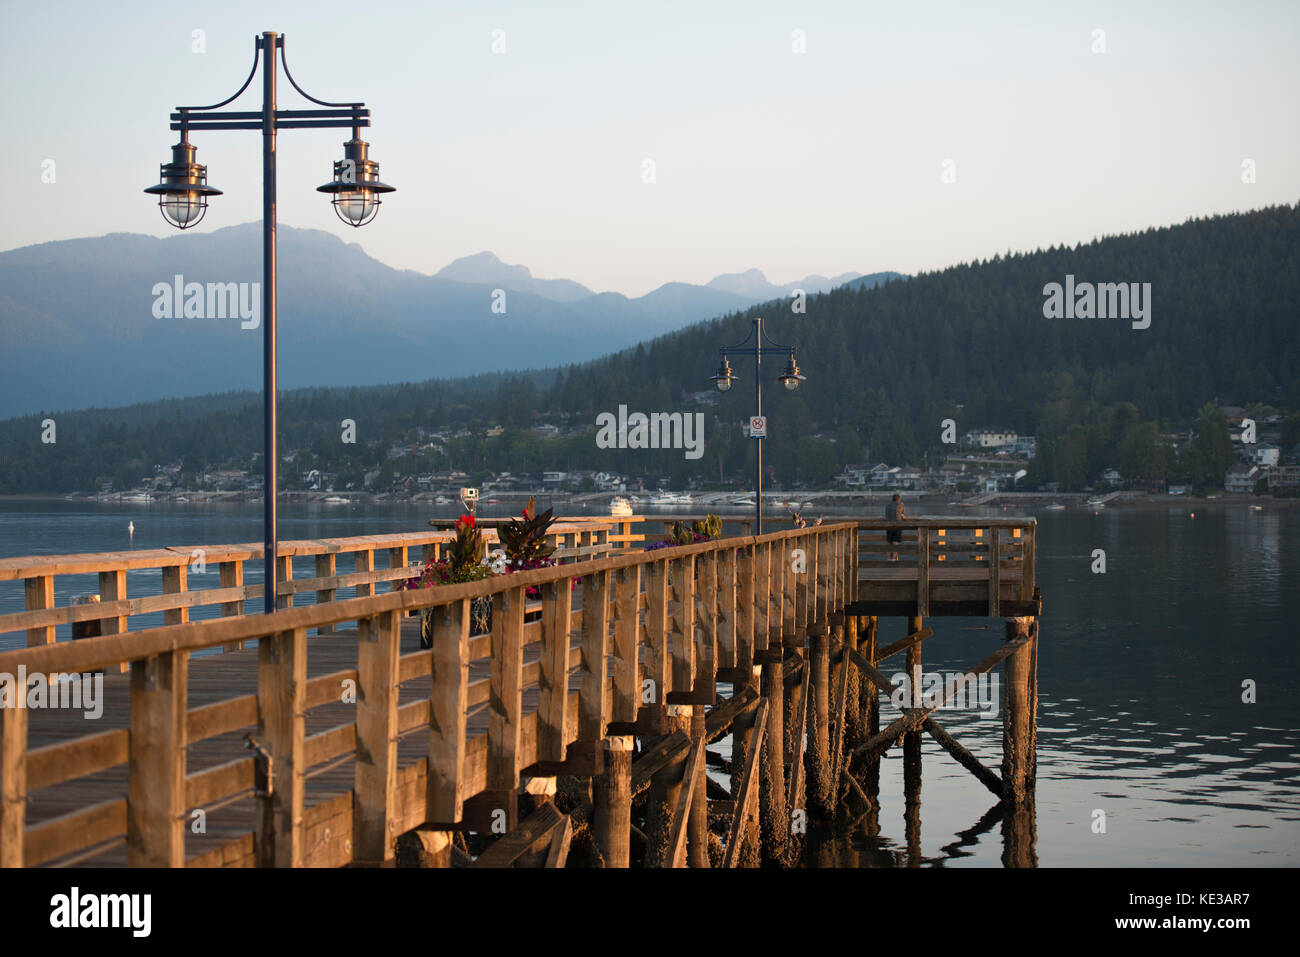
(1140, 676)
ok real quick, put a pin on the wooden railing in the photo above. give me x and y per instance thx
(111, 613)
(938, 554)
(653, 629)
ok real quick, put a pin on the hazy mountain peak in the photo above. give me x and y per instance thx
(482, 267)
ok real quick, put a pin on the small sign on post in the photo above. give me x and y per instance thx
(758, 426)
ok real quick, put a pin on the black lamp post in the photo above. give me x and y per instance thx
(183, 192)
(725, 378)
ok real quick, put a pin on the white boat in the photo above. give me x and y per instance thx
(1257, 508)
(746, 502)
(1055, 507)
(442, 500)
(620, 506)
(335, 500)
(138, 497)
(666, 498)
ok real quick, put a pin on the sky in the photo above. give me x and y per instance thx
(624, 145)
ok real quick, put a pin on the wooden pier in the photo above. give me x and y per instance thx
(574, 730)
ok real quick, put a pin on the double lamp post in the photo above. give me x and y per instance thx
(183, 193)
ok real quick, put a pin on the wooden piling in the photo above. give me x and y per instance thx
(819, 765)
(1017, 714)
(665, 788)
(698, 824)
(612, 800)
(773, 814)
(869, 701)
(912, 739)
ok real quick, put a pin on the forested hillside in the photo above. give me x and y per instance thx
(884, 366)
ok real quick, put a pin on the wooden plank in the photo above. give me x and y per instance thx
(39, 593)
(13, 784)
(509, 847)
(505, 707)
(792, 586)
(627, 692)
(156, 781)
(557, 604)
(695, 769)
(557, 855)
(216, 783)
(325, 568)
(374, 826)
(281, 730)
(747, 792)
(657, 624)
(175, 579)
(56, 763)
(963, 757)
(593, 708)
(220, 717)
(73, 831)
(903, 643)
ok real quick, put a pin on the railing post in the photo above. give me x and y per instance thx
(373, 821)
(155, 806)
(232, 576)
(726, 609)
(1027, 562)
(706, 632)
(762, 600)
(112, 587)
(593, 705)
(447, 718)
(657, 624)
(553, 690)
(506, 704)
(283, 575)
(281, 730)
(326, 567)
(40, 594)
(995, 573)
(13, 779)
(627, 595)
(923, 572)
(745, 607)
(174, 581)
(397, 558)
(682, 631)
(793, 590)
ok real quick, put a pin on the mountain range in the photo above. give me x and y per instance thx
(81, 318)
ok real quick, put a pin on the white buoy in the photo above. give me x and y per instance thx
(130, 529)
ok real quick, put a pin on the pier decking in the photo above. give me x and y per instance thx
(336, 737)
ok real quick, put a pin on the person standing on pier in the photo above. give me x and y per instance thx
(894, 513)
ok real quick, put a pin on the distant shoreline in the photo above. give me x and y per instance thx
(837, 501)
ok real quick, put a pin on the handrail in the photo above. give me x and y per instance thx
(90, 654)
